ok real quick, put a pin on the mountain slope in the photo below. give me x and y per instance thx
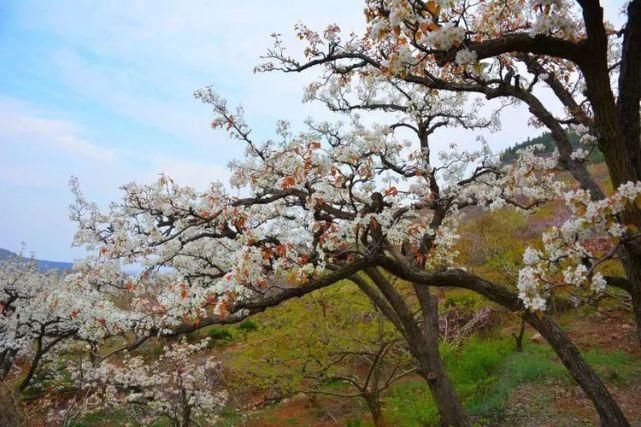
(43, 265)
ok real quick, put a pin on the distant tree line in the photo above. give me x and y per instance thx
(546, 139)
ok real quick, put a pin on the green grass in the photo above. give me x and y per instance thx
(247, 325)
(615, 366)
(103, 418)
(219, 335)
(486, 372)
(488, 399)
(229, 418)
(410, 404)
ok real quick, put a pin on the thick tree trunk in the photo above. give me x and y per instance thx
(432, 367)
(617, 120)
(32, 369)
(518, 338)
(6, 362)
(185, 418)
(632, 266)
(374, 406)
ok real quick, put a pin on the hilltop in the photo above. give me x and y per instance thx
(43, 265)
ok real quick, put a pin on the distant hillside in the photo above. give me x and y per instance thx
(546, 140)
(42, 264)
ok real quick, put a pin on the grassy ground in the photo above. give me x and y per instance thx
(492, 380)
(498, 385)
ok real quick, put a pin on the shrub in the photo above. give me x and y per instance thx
(248, 325)
(217, 333)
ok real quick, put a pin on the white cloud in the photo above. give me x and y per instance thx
(40, 151)
(143, 61)
(21, 124)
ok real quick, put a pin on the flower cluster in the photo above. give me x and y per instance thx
(445, 38)
(465, 57)
(552, 17)
(586, 138)
(528, 181)
(573, 251)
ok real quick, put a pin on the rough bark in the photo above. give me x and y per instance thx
(374, 406)
(6, 362)
(518, 338)
(185, 412)
(34, 364)
(433, 368)
(632, 266)
(186, 416)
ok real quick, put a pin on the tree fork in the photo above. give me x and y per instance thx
(424, 346)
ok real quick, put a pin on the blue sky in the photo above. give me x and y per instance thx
(103, 91)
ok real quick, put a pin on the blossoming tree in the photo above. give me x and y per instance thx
(363, 204)
(180, 386)
(324, 205)
(46, 318)
(42, 312)
(536, 52)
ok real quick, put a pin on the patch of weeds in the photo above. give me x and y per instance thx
(539, 364)
(615, 365)
(462, 301)
(410, 404)
(104, 418)
(220, 335)
(534, 364)
(335, 384)
(484, 373)
(247, 325)
(229, 418)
